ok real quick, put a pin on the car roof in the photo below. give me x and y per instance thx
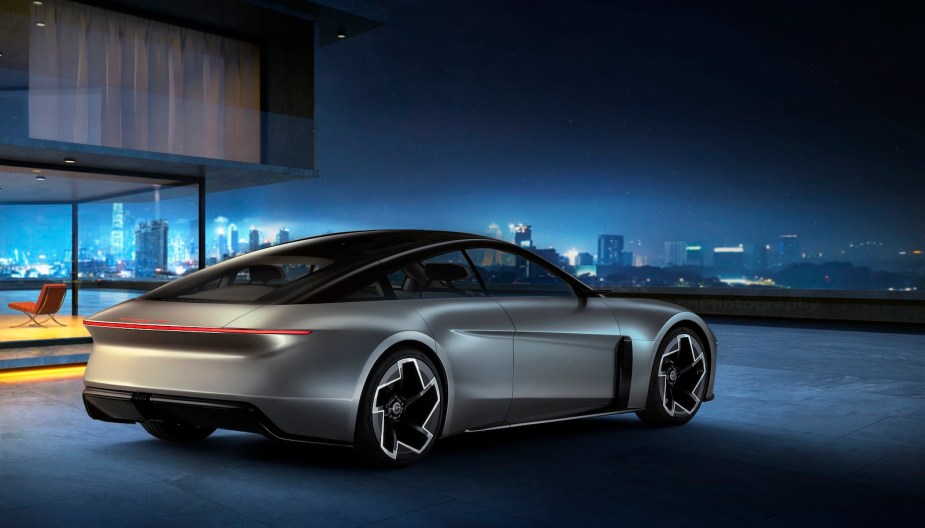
(381, 242)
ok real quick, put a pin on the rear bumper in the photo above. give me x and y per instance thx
(131, 407)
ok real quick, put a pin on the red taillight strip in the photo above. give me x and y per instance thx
(194, 329)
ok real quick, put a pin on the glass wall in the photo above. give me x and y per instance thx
(129, 245)
(143, 233)
(35, 249)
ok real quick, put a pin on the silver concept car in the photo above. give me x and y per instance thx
(387, 341)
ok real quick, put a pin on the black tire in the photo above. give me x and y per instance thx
(177, 431)
(402, 410)
(678, 381)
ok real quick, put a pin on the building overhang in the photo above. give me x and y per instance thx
(262, 19)
(152, 168)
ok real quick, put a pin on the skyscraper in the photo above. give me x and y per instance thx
(233, 238)
(523, 235)
(694, 255)
(254, 239)
(150, 247)
(732, 257)
(117, 234)
(675, 253)
(609, 250)
(283, 236)
(221, 244)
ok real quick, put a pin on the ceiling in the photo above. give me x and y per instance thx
(20, 185)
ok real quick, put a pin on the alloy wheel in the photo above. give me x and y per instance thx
(405, 410)
(681, 374)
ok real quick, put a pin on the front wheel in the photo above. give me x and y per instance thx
(678, 380)
(401, 412)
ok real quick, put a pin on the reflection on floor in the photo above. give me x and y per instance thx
(73, 328)
(18, 357)
(810, 427)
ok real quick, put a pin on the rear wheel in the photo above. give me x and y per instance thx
(678, 380)
(401, 413)
(177, 431)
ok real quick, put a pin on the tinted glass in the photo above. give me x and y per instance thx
(252, 280)
(507, 274)
(445, 276)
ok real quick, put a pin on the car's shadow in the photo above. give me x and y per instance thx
(231, 448)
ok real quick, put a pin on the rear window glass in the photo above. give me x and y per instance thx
(252, 279)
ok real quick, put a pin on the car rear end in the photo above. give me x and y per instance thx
(155, 358)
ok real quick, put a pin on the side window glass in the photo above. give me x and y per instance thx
(448, 275)
(371, 292)
(507, 274)
(445, 276)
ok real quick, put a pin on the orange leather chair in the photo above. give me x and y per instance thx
(49, 302)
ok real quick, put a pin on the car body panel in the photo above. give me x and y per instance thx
(475, 342)
(564, 352)
(646, 322)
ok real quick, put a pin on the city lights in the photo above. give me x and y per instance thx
(137, 247)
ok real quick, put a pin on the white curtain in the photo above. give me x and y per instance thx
(105, 78)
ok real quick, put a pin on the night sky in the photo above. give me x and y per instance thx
(717, 123)
(732, 124)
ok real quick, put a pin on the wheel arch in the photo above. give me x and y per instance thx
(415, 340)
(700, 327)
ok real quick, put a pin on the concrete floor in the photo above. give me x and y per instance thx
(810, 427)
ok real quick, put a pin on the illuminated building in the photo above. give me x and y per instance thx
(221, 244)
(729, 257)
(254, 239)
(117, 234)
(150, 247)
(610, 250)
(523, 235)
(693, 255)
(283, 236)
(675, 253)
(233, 238)
(548, 254)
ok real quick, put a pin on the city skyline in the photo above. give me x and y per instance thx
(46, 228)
(656, 253)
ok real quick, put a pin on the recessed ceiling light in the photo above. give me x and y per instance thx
(40, 24)
(40, 177)
(70, 160)
(341, 33)
(37, 2)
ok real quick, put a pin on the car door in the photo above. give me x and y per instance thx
(470, 329)
(564, 345)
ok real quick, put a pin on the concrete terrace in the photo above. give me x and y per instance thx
(812, 426)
